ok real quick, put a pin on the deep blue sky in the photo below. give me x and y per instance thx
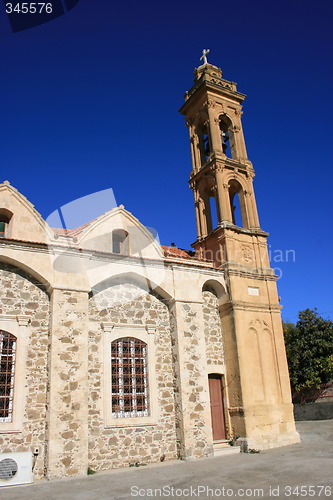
(89, 101)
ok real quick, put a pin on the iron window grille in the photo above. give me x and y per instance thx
(7, 373)
(129, 378)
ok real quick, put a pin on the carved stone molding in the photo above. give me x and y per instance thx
(210, 103)
(258, 323)
(247, 253)
(150, 330)
(23, 320)
(218, 168)
(107, 327)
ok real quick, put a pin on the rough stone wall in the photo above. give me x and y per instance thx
(20, 295)
(68, 399)
(193, 412)
(213, 330)
(123, 446)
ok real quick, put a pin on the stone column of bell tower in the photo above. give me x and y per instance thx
(229, 233)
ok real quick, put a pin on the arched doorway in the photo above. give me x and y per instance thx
(217, 407)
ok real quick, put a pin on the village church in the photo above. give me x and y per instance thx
(115, 350)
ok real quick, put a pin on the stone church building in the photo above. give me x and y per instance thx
(115, 350)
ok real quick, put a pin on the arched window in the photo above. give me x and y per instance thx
(129, 385)
(5, 217)
(7, 373)
(120, 241)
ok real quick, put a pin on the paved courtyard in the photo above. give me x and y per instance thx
(279, 473)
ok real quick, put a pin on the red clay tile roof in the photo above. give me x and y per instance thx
(176, 252)
(70, 232)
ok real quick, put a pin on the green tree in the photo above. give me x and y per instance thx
(309, 347)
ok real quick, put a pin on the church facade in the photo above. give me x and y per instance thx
(117, 351)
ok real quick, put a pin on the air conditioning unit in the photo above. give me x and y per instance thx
(16, 468)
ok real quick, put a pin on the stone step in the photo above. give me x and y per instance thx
(225, 449)
(223, 443)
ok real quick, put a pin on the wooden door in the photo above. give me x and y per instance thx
(216, 406)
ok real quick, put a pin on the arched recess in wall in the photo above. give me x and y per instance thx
(227, 136)
(27, 272)
(269, 365)
(120, 241)
(141, 282)
(212, 295)
(238, 204)
(216, 288)
(255, 358)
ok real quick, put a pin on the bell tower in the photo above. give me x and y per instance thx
(229, 233)
(222, 175)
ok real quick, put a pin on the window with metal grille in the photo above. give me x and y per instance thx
(129, 378)
(7, 372)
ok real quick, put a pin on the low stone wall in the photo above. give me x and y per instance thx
(313, 411)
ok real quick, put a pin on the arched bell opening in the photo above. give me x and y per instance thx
(227, 137)
(208, 195)
(237, 204)
(205, 145)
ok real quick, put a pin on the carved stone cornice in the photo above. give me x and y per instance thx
(250, 274)
(249, 306)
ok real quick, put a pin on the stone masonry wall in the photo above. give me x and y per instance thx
(68, 398)
(20, 295)
(213, 329)
(193, 411)
(122, 446)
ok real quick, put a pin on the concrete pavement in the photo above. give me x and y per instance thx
(271, 473)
